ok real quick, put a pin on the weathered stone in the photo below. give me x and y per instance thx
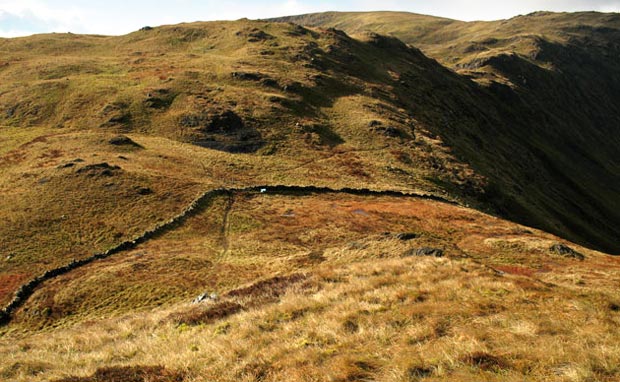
(270, 82)
(121, 140)
(144, 190)
(424, 251)
(566, 251)
(159, 98)
(116, 113)
(98, 169)
(247, 76)
(255, 35)
(405, 236)
(390, 131)
(205, 297)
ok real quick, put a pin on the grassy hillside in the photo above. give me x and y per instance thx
(533, 116)
(547, 141)
(456, 43)
(110, 141)
(327, 287)
(207, 105)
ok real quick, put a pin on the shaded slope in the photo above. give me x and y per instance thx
(455, 43)
(421, 30)
(536, 123)
(546, 132)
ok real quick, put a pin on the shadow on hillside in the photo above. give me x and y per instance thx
(546, 144)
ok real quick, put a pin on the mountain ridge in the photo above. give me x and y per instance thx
(525, 69)
(227, 201)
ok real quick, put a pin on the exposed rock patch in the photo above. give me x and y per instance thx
(254, 35)
(566, 251)
(116, 113)
(70, 163)
(122, 140)
(248, 76)
(99, 169)
(406, 236)
(297, 30)
(205, 297)
(159, 98)
(222, 130)
(143, 190)
(270, 82)
(424, 251)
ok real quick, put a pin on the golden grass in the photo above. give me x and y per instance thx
(310, 287)
(256, 236)
(74, 215)
(313, 96)
(361, 310)
(384, 319)
(526, 60)
(13, 137)
(85, 89)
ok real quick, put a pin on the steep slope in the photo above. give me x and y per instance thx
(550, 153)
(454, 42)
(317, 196)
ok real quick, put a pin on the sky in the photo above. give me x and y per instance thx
(115, 17)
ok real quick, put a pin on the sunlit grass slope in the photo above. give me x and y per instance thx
(105, 138)
(312, 287)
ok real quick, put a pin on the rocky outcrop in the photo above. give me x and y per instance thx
(424, 251)
(123, 141)
(566, 251)
(222, 130)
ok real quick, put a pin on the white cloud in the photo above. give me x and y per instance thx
(8, 33)
(609, 8)
(39, 10)
(24, 17)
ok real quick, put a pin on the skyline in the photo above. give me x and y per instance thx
(114, 17)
